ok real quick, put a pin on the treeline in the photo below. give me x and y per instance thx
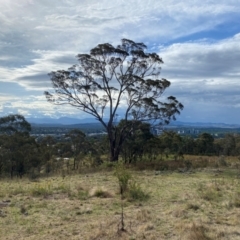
(144, 146)
(21, 154)
(204, 144)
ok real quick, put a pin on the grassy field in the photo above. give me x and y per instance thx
(196, 204)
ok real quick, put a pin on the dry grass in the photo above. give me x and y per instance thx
(199, 205)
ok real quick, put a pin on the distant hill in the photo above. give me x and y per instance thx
(76, 121)
(202, 125)
(61, 121)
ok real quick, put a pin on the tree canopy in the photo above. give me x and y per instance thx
(110, 78)
(14, 123)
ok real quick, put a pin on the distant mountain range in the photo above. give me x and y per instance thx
(209, 124)
(74, 121)
(61, 121)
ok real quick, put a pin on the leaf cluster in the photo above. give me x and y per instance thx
(14, 123)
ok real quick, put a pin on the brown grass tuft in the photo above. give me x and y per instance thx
(196, 232)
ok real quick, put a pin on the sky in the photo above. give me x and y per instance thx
(199, 42)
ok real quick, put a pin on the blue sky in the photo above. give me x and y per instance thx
(199, 42)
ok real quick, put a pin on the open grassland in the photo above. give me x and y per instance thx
(196, 204)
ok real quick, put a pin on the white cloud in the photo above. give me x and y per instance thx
(35, 106)
(37, 37)
(34, 76)
(62, 24)
(203, 72)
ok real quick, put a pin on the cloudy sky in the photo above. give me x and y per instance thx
(199, 42)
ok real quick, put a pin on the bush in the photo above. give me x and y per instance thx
(135, 192)
(123, 176)
(102, 193)
(33, 176)
(200, 163)
(106, 165)
(198, 232)
(82, 195)
(188, 164)
(210, 193)
(235, 201)
(222, 162)
(39, 191)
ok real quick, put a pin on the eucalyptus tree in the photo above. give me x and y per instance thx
(171, 142)
(47, 147)
(110, 78)
(19, 152)
(205, 144)
(137, 142)
(14, 123)
(79, 145)
(229, 145)
(189, 145)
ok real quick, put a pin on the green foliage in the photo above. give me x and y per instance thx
(40, 190)
(137, 142)
(135, 192)
(188, 164)
(235, 201)
(193, 206)
(46, 188)
(19, 154)
(222, 161)
(123, 175)
(19, 190)
(129, 188)
(171, 143)
(33, 176)
(62, 188)
(109, 165)
(14, 123)
(229, 144)
(205, 144)
(79, 145)
(82, 194)
(211, 192)
(108, 76)
(102, 193)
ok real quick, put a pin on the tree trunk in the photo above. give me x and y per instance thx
(74, 163)
(114, 150)
(116, 140)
